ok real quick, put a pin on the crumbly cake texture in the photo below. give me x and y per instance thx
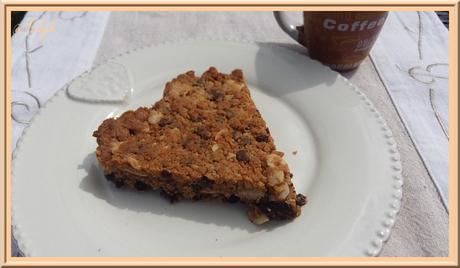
(205, 139)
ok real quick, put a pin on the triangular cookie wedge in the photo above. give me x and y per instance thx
(205, 139)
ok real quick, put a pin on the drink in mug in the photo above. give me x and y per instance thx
(340, 40)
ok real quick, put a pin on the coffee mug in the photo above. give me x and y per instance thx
(340, 40)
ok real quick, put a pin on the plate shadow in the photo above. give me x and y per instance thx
(286, 55)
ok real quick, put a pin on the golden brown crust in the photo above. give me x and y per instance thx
(204, 139)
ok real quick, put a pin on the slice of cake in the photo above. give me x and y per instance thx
(205, 139)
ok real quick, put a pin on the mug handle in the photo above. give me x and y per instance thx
(290, 29)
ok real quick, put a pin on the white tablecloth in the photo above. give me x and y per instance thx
(421, 228)
(416, 77)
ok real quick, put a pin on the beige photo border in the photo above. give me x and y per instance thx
(5, 113)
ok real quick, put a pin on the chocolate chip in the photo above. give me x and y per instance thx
(216, 95)
(203, 133)
(164, 121)
(132, 132)
(261, 138)
(206, 182)
(186, 142)
(196, 118)
(276, 210)
(237, 134)
(242, 156)
(203, 183)
(110, 177)
(140, 186)
(268, 130)
(229, 114)
(221, 118)
(166, 174)
(204, 143)
(291, 175)
(249, 126)
(300, 199)
(171, 197)
(233, 199)
(245, 140)
(119, 183)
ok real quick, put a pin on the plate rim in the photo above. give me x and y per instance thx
(381, 234)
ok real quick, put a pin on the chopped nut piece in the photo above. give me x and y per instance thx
(250, 195)
(276, 177)
(256, 216)
(178, 90)
(215, 147)
(115, 146)
(281, 192)
(135, 172)
(284, 192)
(133, 162)
(154, 117)
(232, 86)
(274, 160)
(220, 133)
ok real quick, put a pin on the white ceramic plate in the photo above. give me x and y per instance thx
(347, 165)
